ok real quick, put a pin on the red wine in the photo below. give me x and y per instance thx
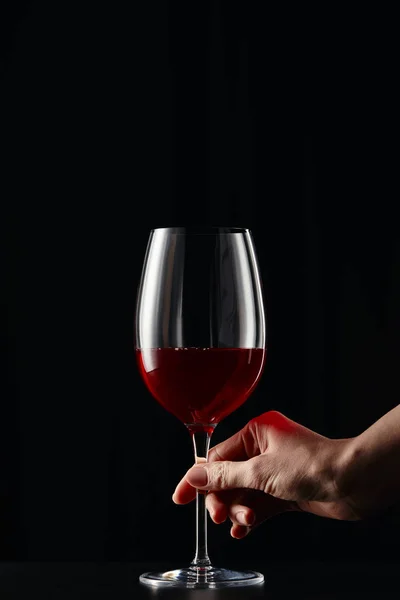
(201, 385)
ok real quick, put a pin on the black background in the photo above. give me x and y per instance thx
(121, 117)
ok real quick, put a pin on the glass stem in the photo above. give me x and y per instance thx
(201, 561)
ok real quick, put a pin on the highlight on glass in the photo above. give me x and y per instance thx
(200, 344)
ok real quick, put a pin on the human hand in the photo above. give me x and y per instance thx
(271, 466)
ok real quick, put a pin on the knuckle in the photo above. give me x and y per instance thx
(268, 417)
(272, 414)
(218, 475)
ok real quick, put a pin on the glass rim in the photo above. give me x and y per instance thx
(202, 230)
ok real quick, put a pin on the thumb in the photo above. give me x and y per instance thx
(224, 475)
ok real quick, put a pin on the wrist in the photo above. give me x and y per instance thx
(335, 464)
(327, 469)
(352, 478)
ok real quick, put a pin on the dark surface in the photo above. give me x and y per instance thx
(319, 580)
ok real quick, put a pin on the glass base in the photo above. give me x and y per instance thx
(212, 577)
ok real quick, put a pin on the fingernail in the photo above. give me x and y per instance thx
(241, 518)
(197, 477)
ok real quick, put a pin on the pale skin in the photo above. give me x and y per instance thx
(274, 465)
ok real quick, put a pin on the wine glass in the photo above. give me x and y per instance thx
(200, 344)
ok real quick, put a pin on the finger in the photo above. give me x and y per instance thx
(184, 492)
(241, 446)
(217, 507)
(256, 506)
(220, 505)
(225, 475)
(220, 475)
(237, 504)
(239, 531)
(240, 514)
